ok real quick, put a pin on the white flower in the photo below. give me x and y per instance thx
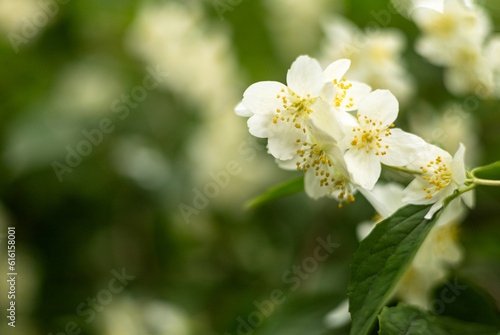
(441, 176)
(282, 112)
(325, 171)
(376, 59)
(370, 140)
(455, 22)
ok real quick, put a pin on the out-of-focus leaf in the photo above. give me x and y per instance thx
(288, 188)
(409, 320)
(455, 298)
(490, 171)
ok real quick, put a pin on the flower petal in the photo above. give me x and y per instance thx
(290, 164)
(364, 167)
(458, 167)
(386, 199)
(414, 193)
(469, 199)
(437, 206)
(282, 140)
(336, 70)
(404, 148)
(262, 98)
(258, 124)
(426, 18)
(305, 77)
(242, 110)
(357, 93)
(429, 153)
(364, 229)
(379, 106)
(453, 212)
(312, 185)
(325, 119)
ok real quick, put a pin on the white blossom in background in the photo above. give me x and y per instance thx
(129, 316)
(287, 22)
(198, 57)
(203, 72)
(492, 62)
(441, 175)
(82, 92)
(455, 37)
(446, 128)
(14, 13)
(376, 59)
(86, 88)
(406, 7)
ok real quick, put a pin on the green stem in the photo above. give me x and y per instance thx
(486, 182)
(457, 193)
(403, 169)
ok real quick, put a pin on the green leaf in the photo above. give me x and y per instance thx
(455, 298)
(490, 171)
(287, 188)
(408, 320)
(381, 260)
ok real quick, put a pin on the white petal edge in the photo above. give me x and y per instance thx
(261, 97)
(258, 124)
(336, 70)
(458, 165)
(242, 110)
(404, 148)
(379, 106)
(305, 77)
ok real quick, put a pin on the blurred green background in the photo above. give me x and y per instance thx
(119, 207)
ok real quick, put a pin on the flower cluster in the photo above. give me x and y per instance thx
(340, 133)
(376, 59)
(459, 38)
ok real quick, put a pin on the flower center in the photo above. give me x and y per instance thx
(437, 175)
(296, 110)
(371, 137)
(313, 157)
(341, 88)
(443, 26)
